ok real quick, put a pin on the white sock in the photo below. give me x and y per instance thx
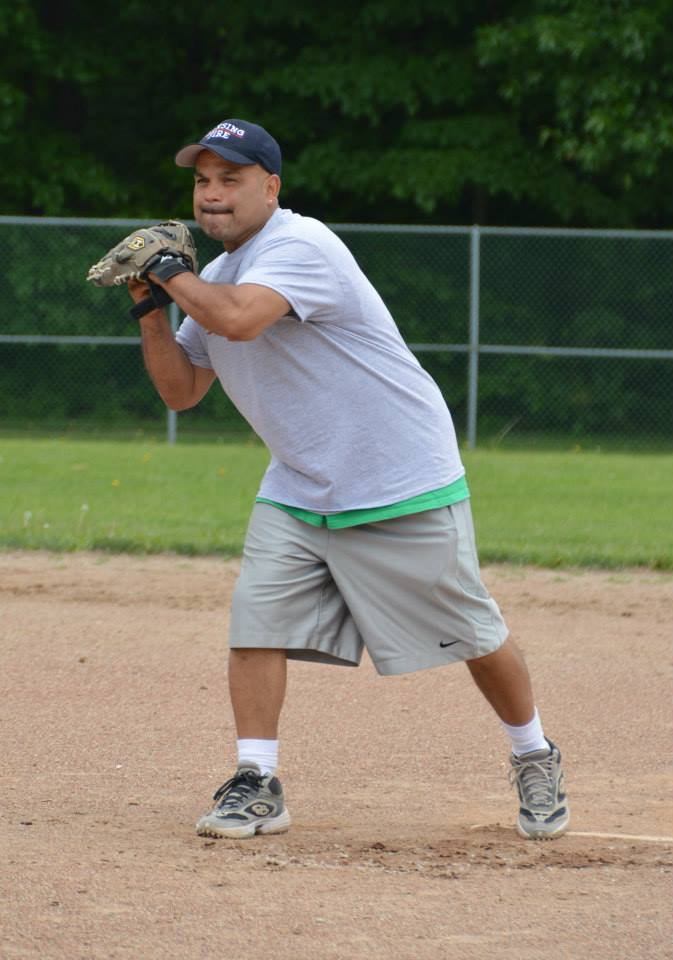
(262, 752)
(527, 737)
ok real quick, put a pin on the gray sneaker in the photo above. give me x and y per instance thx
(543, 810)
(247, 804)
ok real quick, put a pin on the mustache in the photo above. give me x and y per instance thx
(211, 209)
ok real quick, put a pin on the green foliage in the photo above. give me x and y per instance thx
(552, 111)
(542, 291)
(44, 293)
(592, 81)
(576, 292)
(545, 291)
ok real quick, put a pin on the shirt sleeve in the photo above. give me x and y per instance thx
(191, 337)
(299, 271)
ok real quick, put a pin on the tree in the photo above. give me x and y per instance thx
(591, 84)
(554, 111)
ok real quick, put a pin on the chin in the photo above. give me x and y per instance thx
(216, 231)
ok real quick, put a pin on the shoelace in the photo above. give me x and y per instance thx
(237, 789)
(536, 780)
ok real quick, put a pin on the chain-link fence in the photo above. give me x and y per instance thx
(534, 335)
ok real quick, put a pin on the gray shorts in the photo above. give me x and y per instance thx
(407, 589)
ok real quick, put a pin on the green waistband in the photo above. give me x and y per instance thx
(458, 490)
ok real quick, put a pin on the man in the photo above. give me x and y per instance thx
(361, 534)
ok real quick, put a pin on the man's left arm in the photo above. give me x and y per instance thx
(235, 311)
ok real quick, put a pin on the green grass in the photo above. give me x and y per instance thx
(548, 508)
(128, 497)
(575, 508)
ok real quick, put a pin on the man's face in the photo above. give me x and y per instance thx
(232, 202)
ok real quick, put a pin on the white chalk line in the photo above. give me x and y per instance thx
(645, 838)
(621, 836)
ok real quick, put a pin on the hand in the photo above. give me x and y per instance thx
(139, 290)
(147, 297)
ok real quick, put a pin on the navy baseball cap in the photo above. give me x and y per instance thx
(238, 141)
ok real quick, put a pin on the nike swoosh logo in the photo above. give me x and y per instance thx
(449, 644)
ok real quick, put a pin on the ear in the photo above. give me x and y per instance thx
(272, 187)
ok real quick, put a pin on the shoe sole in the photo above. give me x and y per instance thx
(540, 834)
(279, 824)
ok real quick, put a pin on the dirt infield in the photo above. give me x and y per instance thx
(116, 729)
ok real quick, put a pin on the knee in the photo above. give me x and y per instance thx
(254, 654)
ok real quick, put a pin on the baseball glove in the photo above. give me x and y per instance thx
(165, 249)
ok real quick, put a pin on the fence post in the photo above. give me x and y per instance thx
(171, 415)
(473, 349)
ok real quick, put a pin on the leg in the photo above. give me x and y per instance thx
(252, 801)
(503, 679)
(257, 680)
(279, 594)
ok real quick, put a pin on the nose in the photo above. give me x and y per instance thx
(213, 193)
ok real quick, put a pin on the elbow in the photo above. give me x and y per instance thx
(240, 327)
(177, 401)
(234, 325)
(176, 405)
(239, 335)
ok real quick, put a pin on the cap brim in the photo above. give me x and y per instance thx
(187, 156)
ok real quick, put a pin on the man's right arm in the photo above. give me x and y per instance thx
(178, 382)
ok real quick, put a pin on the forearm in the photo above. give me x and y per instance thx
(171, 372)
(217, 307)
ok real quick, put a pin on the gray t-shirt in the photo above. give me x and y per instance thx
(350, 417)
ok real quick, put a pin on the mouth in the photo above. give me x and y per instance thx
(216, 211)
